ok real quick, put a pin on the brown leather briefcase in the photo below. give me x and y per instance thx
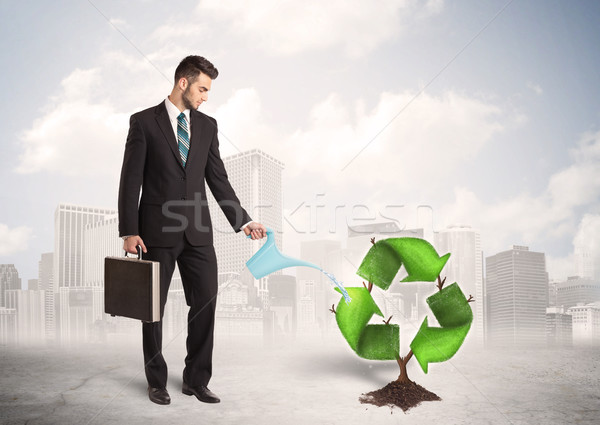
(132, 287)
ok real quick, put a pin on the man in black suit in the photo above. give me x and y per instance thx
(171, 150)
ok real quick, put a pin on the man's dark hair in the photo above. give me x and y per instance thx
(191, 66)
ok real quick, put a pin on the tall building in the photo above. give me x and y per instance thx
(465, 267)
(80, 308)
(30, 315)
(559, 327)
(100, 239)
(9, 279)
(587, 248)
(73, 308)
(585, 263)
(236, 315)
(45, 283)
(256, 179)
(321, 253)
(517, 296)
(8, 325)
(33, 284)
(282, 291)
(586, 323)
(577, 290)
(306, 306)
(70, 222)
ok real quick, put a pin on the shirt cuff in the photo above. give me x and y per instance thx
(244, 226)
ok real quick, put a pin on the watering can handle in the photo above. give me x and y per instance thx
(269, 232)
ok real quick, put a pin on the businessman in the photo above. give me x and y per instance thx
(171, 151)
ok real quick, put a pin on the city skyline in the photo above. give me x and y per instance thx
(66, 306)
(66, 303)
(80, 305)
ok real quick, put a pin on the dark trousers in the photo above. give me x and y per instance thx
(198, 269)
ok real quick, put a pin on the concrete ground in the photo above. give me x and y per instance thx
(303, 382)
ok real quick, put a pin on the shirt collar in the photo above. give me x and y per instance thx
(174, 112)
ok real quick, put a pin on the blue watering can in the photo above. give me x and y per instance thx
(268, 259)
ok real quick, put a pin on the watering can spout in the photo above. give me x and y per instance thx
(268, 259)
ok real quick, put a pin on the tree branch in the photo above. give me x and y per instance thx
(441, 282)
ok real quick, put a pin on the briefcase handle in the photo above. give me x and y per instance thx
(139, 251)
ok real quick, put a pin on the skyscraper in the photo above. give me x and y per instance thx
(464, 267)
(256, 179)
(9, 279)
(282, 291)
(517, 296)
(100, 240)
(577, 290)
(559, 327)
(8, 325)
(73, 301)
(30, 309)
(69, 227)
(587, 247)
(313, 282)
(45, 280)
(586, 323)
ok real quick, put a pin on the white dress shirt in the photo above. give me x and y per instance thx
(174, 112)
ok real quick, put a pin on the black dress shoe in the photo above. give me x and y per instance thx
(159, 395)
(201, 392)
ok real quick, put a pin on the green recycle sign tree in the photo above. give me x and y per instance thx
(382, 341)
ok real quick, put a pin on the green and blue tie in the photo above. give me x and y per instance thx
(183, 138)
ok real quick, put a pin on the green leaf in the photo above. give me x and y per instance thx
(384, 259)
(454, 314)
(374, 342)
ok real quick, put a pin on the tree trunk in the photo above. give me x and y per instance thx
(403, 377)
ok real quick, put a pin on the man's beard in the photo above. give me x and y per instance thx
(186, 101)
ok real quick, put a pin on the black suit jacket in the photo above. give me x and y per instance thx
(173, 198)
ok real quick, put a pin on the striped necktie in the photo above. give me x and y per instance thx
(183, 138)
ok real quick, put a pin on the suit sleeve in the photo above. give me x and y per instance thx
(132, 174)
(218, 182)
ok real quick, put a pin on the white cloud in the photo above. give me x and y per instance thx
(14, 240)
(537, 89)
(241, 123)
(588, 235)
(542, 218)
(578, 184)
(118, 22)
(429, 139)
(289, 27)
(78, 135)
(560, 268)
(585, 259)
(82, 130)
(434, 6)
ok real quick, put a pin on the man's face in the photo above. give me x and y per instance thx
(197, 92)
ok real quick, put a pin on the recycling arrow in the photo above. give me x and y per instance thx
(452, 311)
(373, 342)
(384, 259)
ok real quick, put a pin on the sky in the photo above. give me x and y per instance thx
(488, 111)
